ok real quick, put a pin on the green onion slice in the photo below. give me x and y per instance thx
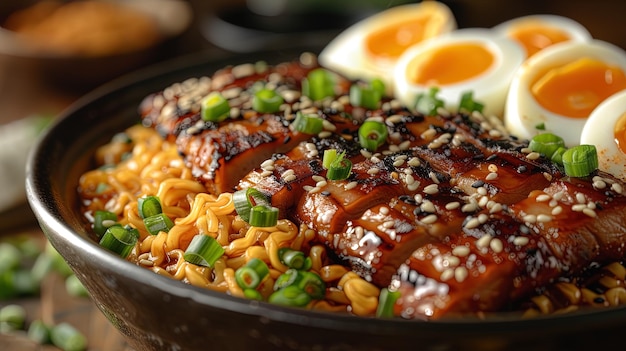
(546, 144)
(340, 168)
(428, 103)
(120, 240)
(308, 123)
(266, 101)
(312, 284)
(372, 134)
(158, 223)
(365, 96)
(580, 160)
(67, 337)
(203, 250)
(215, 107)
(291, 296)
(318, 84)
(378, 85)
(250, 275)
(386, 300)
(557, 156)
(329, 156)
(468, 104)
(102, 221)
(292, 258)
(252, 294)
(245, 199)
(149, 206)
(290, 277)
(263, 216)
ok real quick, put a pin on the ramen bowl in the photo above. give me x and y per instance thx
(158, 313)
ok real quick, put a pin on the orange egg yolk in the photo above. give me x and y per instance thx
(575, 89)
(450, 64)
(535, 36)
(389, 42)
(620, 133)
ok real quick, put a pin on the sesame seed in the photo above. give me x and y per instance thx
(472, 223)
(580, 198)
(481, 191)
(359, 231)
(520, 240)
(461, 251)
(287, 173)
(389, 224)
(558, 196)
(496, 245)
(599, 184)
(267, 163)
(428, 206)
(290, 178)
(398, 162)
(428, 134)
(324, 134)
(453, 205)
(414, 186)
(318, 178)
(484, 201)
(447, 274)
(543, 218)
(451, 261)
(409, 179)
(483, 241)
(543, 198)
(460, 274)
(384, 210)
(321, 184)
(414, 162)
(533, 155)
(617, 188)
(491, 176)
(557, 210)
(393, 119)
(404, 145)
(547, 176)
(482, 218)
(433, 177)
(365, 153)
(351, 185)
(526, 150)
(266, 173)
(375, 158)
(470, 207)
(497, 207)
(530, 218)
(431, 189)
(579, 207)
(373, 170)
(590, 212)
(429, 219)
(418, 198)
(146, 263)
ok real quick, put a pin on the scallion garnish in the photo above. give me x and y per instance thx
(312, 284)
(120, 240)
(250, 275)
(245, 199)
(329, 156)
(203, 250)
(308, 123)
(294, 258)
(252, 294)
(149, 206)
(386, 300)
(266, 101)
(580, 160)
(546, 144)
(557, 156)
(366, 95)
(339, 168)
(428, 103)
(263, 216)
(289, 277)
(291, 296)
(372, 134)
(215, 108)
(318, 84)
(102, 220)
(468, 104)
(158, 223)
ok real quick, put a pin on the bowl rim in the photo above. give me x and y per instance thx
(43, 202)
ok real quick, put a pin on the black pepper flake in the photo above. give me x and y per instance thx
(478, 184)
(491, 157)
(521, 169)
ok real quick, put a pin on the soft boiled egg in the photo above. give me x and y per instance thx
(557, 89)
(473, 60)
(536, 32)
(370, 48)
(606, 129)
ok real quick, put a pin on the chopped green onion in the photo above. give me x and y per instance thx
(266, 101)
(428, 103)
(252, 294)
(291, 296)
(546, 144)
(386, 300)
(557, 156)
(365, 96)
(340, 168)
(309, 123)
(263, 216)
(39, 332)
(203, 250)
(149, 206)
(540, 126)
(580, 160)
(251, 274)
(13, 315)
(68, 338)
(468, 103)
(312, 284)
(11, 257)
(158, 223)
(245, 199)
(286, 279)
(215, 107)
(120, 240)
(292, 258)
(102, 220)
(372, 134)
(378, 85)
(318, 84)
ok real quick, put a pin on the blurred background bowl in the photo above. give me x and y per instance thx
(103, 52)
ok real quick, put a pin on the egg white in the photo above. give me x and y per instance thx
(575, 30)
(347, 55)
(523, 114)
(489, 88)
(599, 130)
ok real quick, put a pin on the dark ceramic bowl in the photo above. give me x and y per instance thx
(158, 313)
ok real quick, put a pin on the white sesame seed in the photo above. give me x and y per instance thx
(484, 200)
(318, 178)
(414, 162)
(290, 178)
(373, 170)
(428, 206)
(321, 184)
(557, 210)
(398, 162)
(409, 179)
(393, 119)
(579, 207)
(384, 210)
(558, 196)
(483, 241)
(491, 176)
(460, 274)
(389, 224)
(530, 218)
(599, 184)
(375, 159)
(430, 219)
(266, 173)
(482, 218)
(520, 240)
(526, 150)
(365, 153)
(470, 207)
(447, 274)
(580, 198)
(433, 177)
(543, 198)
(590, 212)
(351, 185)
(481, 191)
(404, 145)
(453, 205)
(267, 163)
(543, 218)
(617, 188)
(451, 261)
(359, 231)
(310, 146)
(497, 207)
(533, 155)
(461, 251)
(413, 186)
(496, 245)
(547, 176)
(418, 198)
(431, 189)
(472, 223)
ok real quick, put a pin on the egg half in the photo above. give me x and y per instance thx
(606, 129)
(471, 59)
(557, 89)
(371, 47)
(537, 32)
